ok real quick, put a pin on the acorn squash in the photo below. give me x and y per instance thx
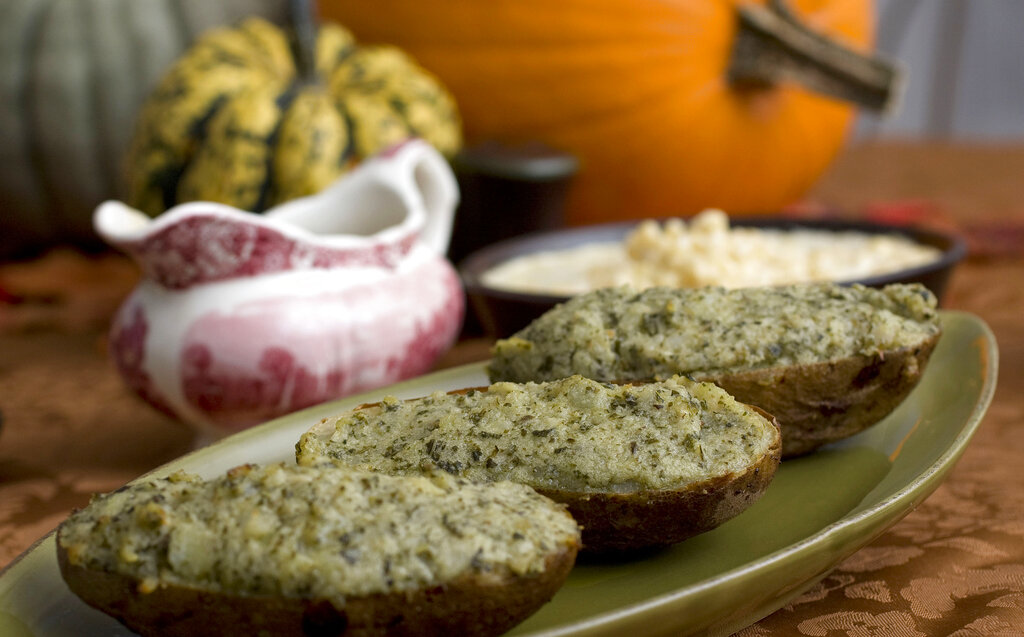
(244, 118)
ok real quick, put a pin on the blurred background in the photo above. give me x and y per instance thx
(73, 74)
(964, 77)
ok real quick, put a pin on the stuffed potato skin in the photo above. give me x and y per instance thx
(322, 550)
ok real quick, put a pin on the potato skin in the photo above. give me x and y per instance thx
(478, 605)
(624, 522)
(824, 402)
(635, 521)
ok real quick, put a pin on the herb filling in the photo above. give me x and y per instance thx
(323, 532)
(621, 334)
(573, 434)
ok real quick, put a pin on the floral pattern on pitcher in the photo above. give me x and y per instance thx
(242, 317)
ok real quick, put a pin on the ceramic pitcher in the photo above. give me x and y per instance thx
(242, 317)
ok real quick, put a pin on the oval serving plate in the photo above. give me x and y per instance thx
(820, 509)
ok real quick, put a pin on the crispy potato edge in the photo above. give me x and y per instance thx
(476, 604)
(824, 402)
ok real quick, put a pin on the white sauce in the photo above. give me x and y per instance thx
(707, 251)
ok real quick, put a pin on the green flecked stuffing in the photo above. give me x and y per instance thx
(574, 434)
(621, 334)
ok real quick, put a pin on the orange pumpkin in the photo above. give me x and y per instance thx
(636, 89)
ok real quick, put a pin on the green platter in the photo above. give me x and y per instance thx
(820, 509)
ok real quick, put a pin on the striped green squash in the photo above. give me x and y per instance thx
(238, 119)
(73, 74)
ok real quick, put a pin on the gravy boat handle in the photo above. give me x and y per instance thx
(422, 172)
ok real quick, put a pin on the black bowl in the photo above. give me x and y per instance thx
(504, 312)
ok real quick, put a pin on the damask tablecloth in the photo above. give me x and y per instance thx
(954, 566)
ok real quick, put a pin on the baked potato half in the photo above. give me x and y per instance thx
(826, 360)
(638, 466)
(284, 550)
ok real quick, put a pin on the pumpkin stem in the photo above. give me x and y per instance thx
(772, 45)
(302, 16)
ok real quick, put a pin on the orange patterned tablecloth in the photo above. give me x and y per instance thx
(954, 566)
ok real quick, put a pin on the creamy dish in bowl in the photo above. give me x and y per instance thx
(512, 282)
(707, 250)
